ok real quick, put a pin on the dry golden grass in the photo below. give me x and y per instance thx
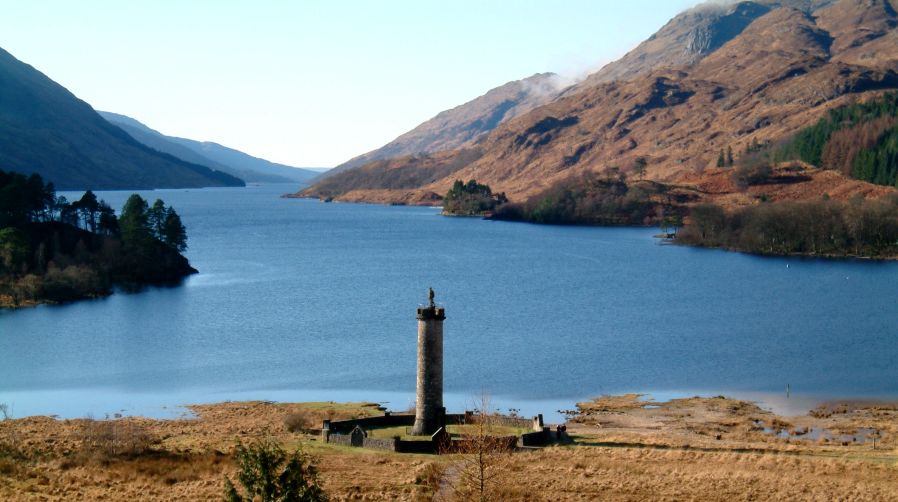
(653, 474)
(623, 452)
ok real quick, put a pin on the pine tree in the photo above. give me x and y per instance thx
(173, 232)
(269, 474)
(156, 218)
(721, 160)
(134, 222)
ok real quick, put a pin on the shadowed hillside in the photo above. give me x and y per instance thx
(45, 129)
(212, 155)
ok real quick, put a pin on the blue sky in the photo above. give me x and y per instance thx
(311, 83)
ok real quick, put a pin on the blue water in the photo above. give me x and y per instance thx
(300, 300)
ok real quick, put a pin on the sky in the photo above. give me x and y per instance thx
(311, 83)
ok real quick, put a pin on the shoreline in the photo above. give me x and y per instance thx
(490, 217)
(73, 404)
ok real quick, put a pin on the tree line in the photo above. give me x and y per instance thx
(27, 199)
(860, 140)
(56, 250)
(823, 227)
(593, 199)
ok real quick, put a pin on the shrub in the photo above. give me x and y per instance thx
(753, 169)
(107, 440)
(268, 474)
(299, 421)
(72, 283)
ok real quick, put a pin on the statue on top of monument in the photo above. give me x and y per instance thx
(430, 296)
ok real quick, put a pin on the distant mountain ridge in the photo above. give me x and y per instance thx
(45, 129)
(213, 155)
(465, 124)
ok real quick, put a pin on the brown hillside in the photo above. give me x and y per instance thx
(692, 35)
(466, 123)
(779, 74)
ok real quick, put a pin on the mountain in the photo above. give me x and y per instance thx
(773, 70)
(467, 123)
(46, 129)
(692, 35)
(212, 155)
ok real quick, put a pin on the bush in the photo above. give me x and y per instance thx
(753, 169)
(72, 283)
(268, 474)
(106, 440)
(299, 421)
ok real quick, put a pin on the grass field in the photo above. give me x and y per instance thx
(695, 449)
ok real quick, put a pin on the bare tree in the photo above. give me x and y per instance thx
(484, 452)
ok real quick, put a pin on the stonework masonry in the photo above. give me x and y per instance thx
(429, 410)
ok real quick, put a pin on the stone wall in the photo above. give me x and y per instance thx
(381, 444)
(537, 438)
(425, 447)
(387, 420)
(504, 421)
(340, 439)
(352, 433)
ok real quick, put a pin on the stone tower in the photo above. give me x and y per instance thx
(429, 412)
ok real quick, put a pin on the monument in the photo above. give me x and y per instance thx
(430, 414)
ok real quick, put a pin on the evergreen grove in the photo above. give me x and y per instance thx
(861, 140)
(55, 250)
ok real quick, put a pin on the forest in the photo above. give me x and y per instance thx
(53, 250)
(860, 140)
